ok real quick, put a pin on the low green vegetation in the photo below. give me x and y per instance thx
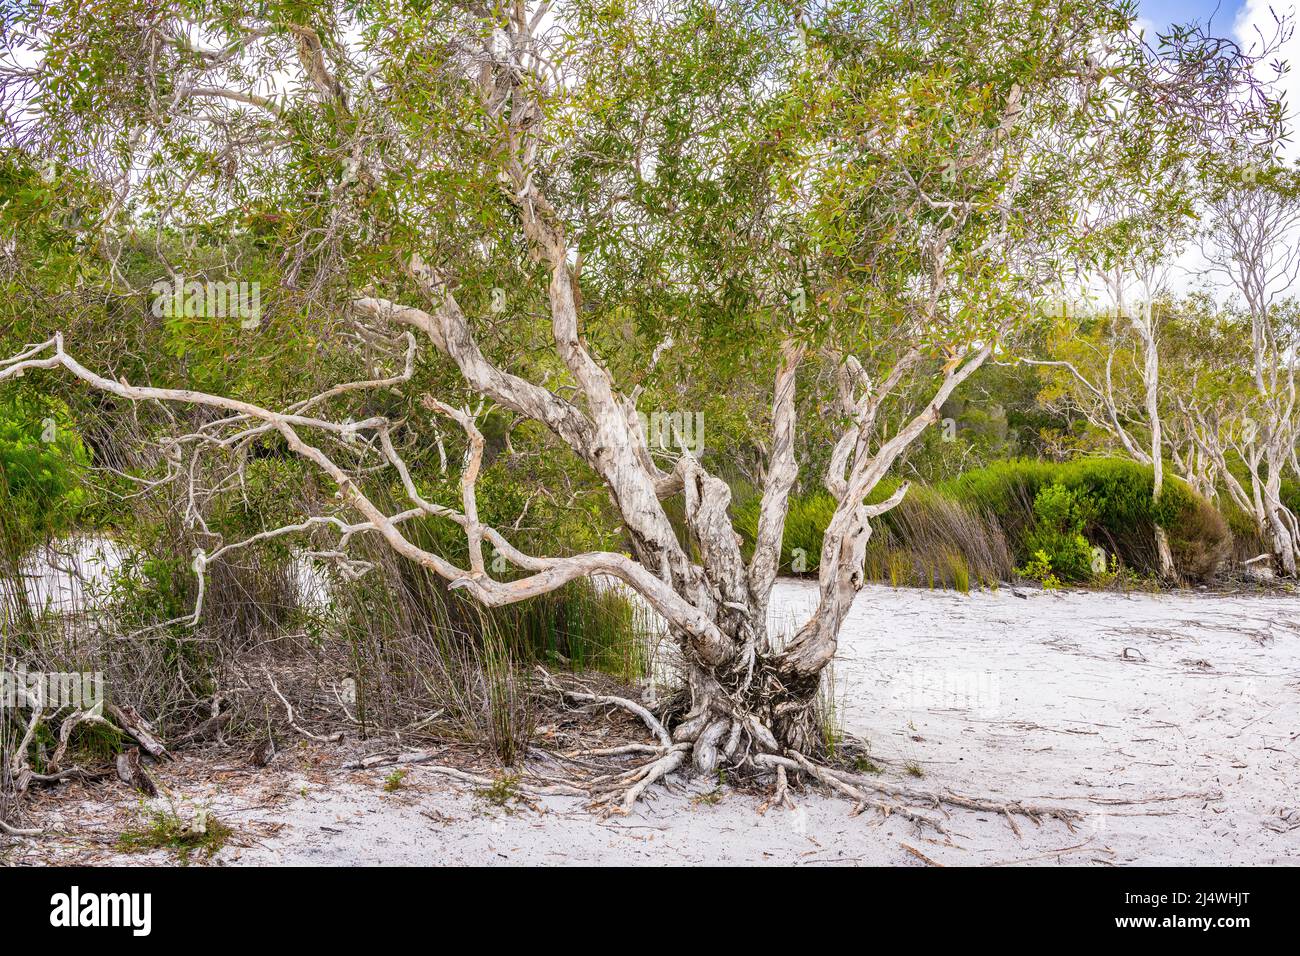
(165, 829)
(503, 792)
(862, 763)
(1068, 509)
(42, 461)
(1038, 519)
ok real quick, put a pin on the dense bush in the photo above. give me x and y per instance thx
(41, 460)
(1291, 494)
(1057, 535)
(1119, 513)
(980, 524)
(1247, 541)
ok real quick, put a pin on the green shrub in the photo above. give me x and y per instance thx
(805, 524)
(1120, 517)
(1058, 532)
(41, 463)
(165, 829)
(984, 523)
(1200, 538)
(1290, 494)
(1039, 568)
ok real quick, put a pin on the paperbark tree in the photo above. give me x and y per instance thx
(1252, 242)
(879, 186)
(1119, 401)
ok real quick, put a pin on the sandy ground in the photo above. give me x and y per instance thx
(1172, 721)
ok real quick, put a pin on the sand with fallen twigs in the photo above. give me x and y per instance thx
(1172, 721)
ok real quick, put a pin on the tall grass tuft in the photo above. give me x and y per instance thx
(928, 540)
(419, 652)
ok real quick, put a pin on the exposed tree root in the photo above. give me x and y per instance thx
(618, 791)
(854, 785)
(742, 743)
(621, 751)
(132, 773)
(781, 795)
(839, 784)
(620, 794)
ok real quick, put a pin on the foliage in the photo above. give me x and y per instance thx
(881, 182)
(927, 540)
(1119, 514)
(1039, 568)
(951, 533)
(503, 792)
(42, 467)
(1057, 534)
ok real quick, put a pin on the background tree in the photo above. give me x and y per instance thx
(1252, 232)
(1108, 368)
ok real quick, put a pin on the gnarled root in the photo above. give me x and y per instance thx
(618, 793)
(854, 787)
(710, 737)
(781, 794)
(835, 781)
(608, 700)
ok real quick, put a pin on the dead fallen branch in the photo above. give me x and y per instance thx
(425, 761)
(12, 830)
(131, 772)
(288, 708)
(919, 855)
(137, 727)
(856, 788)
(607, 700)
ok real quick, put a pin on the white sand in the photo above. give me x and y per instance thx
(1172, 721)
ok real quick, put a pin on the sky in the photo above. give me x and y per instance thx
(1244, 21)
(1219, 13)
